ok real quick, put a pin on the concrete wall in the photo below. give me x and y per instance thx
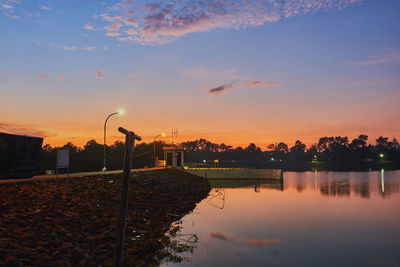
(229, 173)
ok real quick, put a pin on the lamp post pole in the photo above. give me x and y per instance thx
(105, 130)
(154, 147)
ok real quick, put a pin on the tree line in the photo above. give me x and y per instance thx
(334, 152)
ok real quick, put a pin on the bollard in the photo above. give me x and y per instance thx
(130, 138)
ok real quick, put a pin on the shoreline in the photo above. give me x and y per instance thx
(78, 225)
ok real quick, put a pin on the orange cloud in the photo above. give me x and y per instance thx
(99, 74)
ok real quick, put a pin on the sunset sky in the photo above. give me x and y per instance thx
(228, 71)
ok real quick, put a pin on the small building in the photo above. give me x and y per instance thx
(173, 156)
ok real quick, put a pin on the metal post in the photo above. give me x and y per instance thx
(154, 149)
(105, 124)
(128, 153)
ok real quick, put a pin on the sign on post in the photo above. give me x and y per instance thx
(62, 158)
(62, 161)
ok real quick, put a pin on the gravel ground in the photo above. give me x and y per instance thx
(77, 226)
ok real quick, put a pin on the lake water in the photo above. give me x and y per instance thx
(311, 219)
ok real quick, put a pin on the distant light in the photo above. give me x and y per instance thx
(204, 160)
(121, 111)
(315, 156)
(272, 159)
(381, 156)
(163, 134)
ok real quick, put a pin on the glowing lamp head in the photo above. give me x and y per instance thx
(163, 134)
(121, 111)
(381, 156)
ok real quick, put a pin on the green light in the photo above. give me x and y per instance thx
(381, 156)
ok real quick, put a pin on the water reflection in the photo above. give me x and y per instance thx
(216, 198)
(344, 218)
(330, 184)
(344, 184)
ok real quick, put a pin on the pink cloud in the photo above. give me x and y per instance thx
(112, 34)
(99, 74)
(131, 32)
(131, 22)
(60, 76)
(88, 27)
(90, 48)
(258, 83)
(392, 56)
(133, 75)
(113, 27)
(45, 8)
(107, 18)
(165, 21)
(50, 76)
(70, 48)
(7, 6)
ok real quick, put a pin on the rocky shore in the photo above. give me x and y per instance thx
(77, 225)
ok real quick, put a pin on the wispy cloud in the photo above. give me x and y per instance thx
(249, 241)
(7, 6)
(88, 27)
(133, 75)
(392, 56)
(76, 48)
(70, 48)
(25, 130)
(58, 76)
(204, 72)
(258, 83)
(220, 89)
(24, 10)
(45, 8)
(236, 85)
(99, 74)
(165, 21)
(90, 48)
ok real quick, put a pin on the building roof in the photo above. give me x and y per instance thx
(173, 147)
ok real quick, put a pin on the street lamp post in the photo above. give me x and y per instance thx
(120, 112)
(154, 147)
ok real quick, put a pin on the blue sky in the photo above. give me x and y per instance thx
(284, 70)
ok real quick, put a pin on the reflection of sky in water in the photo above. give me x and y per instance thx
(312, 219)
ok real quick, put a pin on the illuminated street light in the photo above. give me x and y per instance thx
(154, 147)
(381, 156)
(120, 112)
